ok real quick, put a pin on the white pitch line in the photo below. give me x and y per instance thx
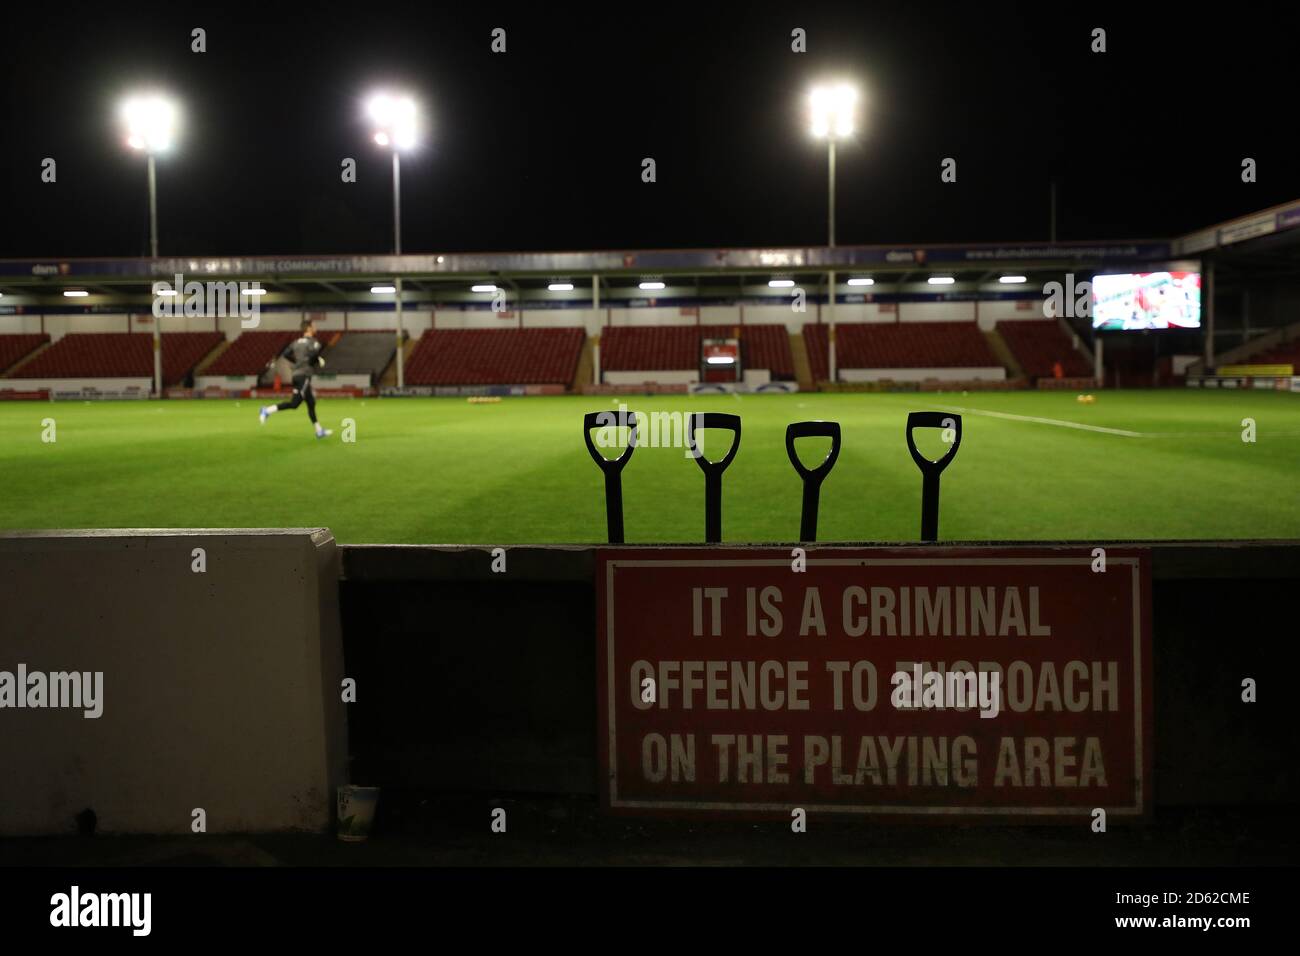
(1123, 433)
(1051, 421)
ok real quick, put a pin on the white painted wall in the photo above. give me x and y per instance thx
(936, 311)
(416, 321)
(666, 377)
(232, 382)
(656, 316)
(20, 324)
(1019, 310)
(475, 319)
(921, 374)
(78, 384)
(220, 689)
(589, 319)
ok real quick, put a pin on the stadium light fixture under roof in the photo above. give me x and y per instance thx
(252, 292)
(382, 289)
(862, 282)
(560, 287)
(1012, 280)
(650, 286)
(832, 110)
(780, 283)
(75, 293)
(482, 288)
(941, 280)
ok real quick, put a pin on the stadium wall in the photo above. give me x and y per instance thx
(219, 686)
(480, 681)
(959, 374)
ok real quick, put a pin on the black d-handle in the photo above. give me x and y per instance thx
(812, 477)
(931, 470)
(612, 467)
(712, 469)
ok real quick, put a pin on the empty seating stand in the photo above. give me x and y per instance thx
(900, 345)
(363, 353)
(657, 348)
(496, 357)
(768, 346)
(121, 355)
(1287, 353)
(14, 348)
(1038, 344)
(250, 352)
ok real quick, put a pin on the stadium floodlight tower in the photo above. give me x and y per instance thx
(396, 122)
(150, 121)
(832, 109)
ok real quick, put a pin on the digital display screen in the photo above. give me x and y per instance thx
(1146, 300)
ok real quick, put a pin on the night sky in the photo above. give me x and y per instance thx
(541, 147)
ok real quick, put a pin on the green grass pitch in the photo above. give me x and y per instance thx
(1172, 465)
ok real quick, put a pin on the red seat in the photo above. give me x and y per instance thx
(121, 355)
(250, 353)
(1038, 344)
(657, 348)
(14, 347)
(496, 357)
(899, 345)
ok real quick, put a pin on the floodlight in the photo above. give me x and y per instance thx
(396, 120)
(482, 288)
(150, 122)
(780, 283)
(941, 280)
(382, 289)
(862, 282)
(832, 111)
(651, 286)
(1012, 280)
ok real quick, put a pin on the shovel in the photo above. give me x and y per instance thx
(612, 467)
(812, 477)
(931, 470)
(712, 469)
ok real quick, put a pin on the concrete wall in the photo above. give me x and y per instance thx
(20, 384)
(220, 689)
(962, 374)
(487, 682)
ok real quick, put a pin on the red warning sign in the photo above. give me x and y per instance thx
(927, 682)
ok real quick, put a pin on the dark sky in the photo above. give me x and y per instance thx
(540, 148)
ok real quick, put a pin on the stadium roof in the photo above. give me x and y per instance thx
(1269, 240)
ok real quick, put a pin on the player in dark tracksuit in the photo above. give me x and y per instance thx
(304, 355)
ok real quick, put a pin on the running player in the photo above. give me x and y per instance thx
(304, 355)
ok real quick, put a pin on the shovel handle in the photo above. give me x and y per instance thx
(713, 469)
(931, 470)
(612, 467)
(812, 477)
